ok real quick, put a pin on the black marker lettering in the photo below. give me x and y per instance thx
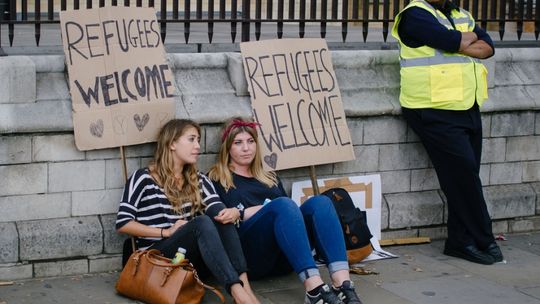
(72, 45)
(125, 85)
(90, 93)
(139, 82)
(166, 83)
(89, 38)
(251, 77)
(327, 71)
(153, 25)
(107, 35)
(335, 119)
(118, 88)
(271, 138)
(153, 74)
(105, 87)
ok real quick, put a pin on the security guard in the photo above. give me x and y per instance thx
(443, 84)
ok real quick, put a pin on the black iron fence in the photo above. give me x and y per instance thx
(247, 17)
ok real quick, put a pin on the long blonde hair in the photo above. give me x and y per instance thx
(178, 190)
(222, 171)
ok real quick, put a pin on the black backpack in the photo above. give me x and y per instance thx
(353, 223)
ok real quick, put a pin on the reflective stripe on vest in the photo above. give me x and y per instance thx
(439, 58)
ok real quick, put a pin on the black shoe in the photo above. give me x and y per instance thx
(470, 253)
(325, 296)
(347, 294)
(494, 251)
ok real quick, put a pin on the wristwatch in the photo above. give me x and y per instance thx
(240, 208)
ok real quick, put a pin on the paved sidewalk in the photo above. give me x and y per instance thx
(420, 275)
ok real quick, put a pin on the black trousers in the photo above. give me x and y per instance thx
(453, 141)
(209, 244)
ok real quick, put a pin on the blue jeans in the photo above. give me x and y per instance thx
(281, 236)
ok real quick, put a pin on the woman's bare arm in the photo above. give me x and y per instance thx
(137, 229)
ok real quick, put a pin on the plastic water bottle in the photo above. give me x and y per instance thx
(179, 256)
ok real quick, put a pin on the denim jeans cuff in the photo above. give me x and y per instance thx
(228, 285)
(308, 273)
(337, 266)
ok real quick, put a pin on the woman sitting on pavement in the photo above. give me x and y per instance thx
(275, 233)
(170, 204)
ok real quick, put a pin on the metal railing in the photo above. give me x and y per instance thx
(248, 15)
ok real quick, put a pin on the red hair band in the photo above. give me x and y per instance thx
(238, 124)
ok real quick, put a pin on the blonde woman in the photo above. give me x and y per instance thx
(170, 205)
(277, 236)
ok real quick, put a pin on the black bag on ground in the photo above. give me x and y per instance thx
(353, 223)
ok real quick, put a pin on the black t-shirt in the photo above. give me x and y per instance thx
(248, 191)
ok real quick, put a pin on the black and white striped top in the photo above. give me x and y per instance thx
(144, 201)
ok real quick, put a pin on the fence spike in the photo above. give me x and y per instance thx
(186, 32)
(323, 29)
(11, 34)
(37, 34)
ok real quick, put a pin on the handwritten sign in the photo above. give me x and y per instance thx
(121, 86)
(296, 99)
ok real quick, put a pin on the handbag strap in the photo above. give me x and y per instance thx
(133, 247)
(215, 291)
(211, 288)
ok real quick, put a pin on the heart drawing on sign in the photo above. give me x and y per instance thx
(96, 128)
(271, 160)
(141, 122)
(163, 118)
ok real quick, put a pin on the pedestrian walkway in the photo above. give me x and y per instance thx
(420, 275)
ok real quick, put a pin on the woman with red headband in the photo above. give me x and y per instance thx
(278, 236)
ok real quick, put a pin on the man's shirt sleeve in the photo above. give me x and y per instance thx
(419, 27)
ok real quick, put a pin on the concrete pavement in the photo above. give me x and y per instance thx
(420, 275)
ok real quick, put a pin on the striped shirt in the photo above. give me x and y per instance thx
(144, 201)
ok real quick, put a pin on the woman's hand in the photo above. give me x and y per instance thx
(228, 216)
(171, 230)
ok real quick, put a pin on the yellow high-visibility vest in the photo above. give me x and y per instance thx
(431, 78)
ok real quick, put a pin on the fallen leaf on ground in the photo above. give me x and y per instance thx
(362, 271)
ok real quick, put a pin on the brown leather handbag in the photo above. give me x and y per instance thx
(152, 278)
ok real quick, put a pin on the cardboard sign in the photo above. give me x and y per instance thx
(296, 99)
(121, 86)
(366, 194)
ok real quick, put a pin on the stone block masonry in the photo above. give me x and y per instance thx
(58, 205)
(60, 238)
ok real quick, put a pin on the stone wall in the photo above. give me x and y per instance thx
(58, 204)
